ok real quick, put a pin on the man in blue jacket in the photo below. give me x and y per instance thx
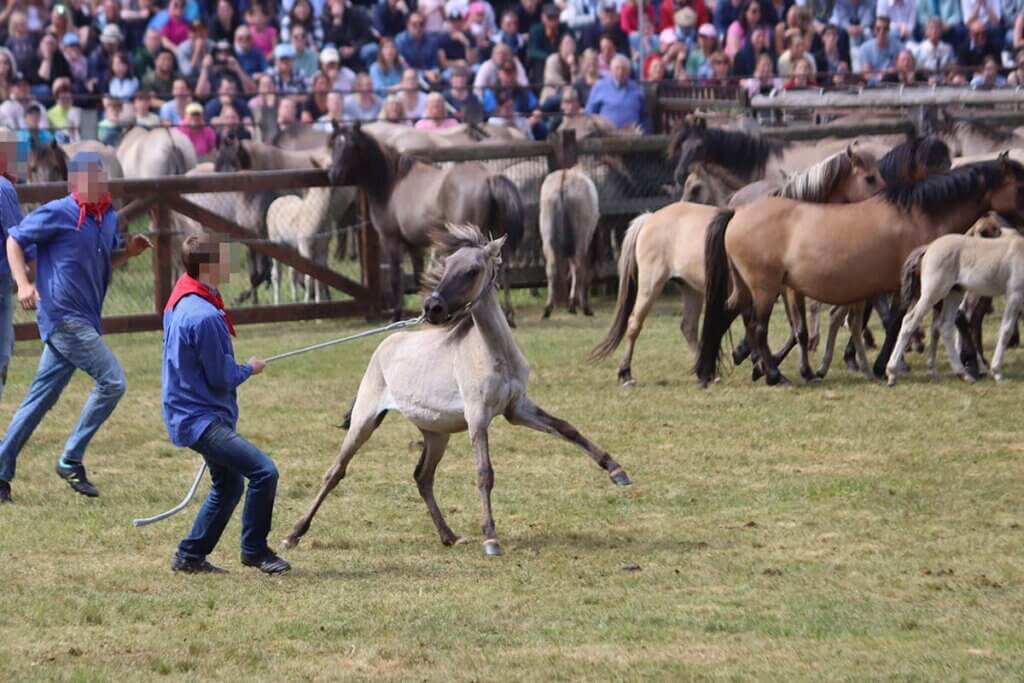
(200, 408)
(75, 241)
(10, 216)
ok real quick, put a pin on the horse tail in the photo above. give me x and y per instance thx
(910, 277)
(565, 234)
(507, 209)
(717, 318)
(627, 291)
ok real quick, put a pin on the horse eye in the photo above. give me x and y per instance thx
(870, 180)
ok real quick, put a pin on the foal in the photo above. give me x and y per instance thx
(457, 375)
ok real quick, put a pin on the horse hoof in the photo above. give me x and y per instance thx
(289, 543)
(756, 373)
(492, 548)
(891, 379)
(779, 380)
(997, 376)
(820, 374)
(572, 310)
(619, 477)
(626, 377)
(546, 314)
(967, 378)
(452, 540)
(812, 378)
(588, 312)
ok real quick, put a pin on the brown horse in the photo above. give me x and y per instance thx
(837, 254)
(410, 199)
(669, 244)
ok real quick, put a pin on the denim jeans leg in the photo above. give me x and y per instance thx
(224, 447)
(83, 346)
(52, 376)
(6, 329)
(214, 515)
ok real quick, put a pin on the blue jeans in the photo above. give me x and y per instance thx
(231, 460)
(73, 345)
(6, 328)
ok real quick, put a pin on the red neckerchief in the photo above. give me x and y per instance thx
(97, 209)
(186, 285)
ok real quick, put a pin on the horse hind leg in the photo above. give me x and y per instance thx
(526, 413)
(836, 318)
(689, 325)
(649, 286)
(434, 445)
(857, 337)
(950, 308)
(798, 307)
(365, 418)
(1006, 329)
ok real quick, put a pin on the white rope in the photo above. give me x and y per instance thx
(146, 521)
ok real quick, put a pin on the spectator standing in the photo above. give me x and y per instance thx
(195, 129)
(386, 70)
(857, 17)
(878, 55)
(172, 112)
(249, 57)
(123, 83)
(933, 55)
(306, 61)
(618, 98)
(363, 104)
(348, 28)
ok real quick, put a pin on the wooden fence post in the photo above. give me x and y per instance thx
(162, 267)
(370, 255)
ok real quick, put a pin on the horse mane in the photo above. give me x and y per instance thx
(446, 241)
(735, 150)
(939, 193)
(383, 166)
(929, 154)
(817, 182)
(987, 131)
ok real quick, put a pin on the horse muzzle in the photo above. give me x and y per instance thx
(435, 310)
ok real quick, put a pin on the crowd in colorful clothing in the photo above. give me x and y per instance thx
(258, 66)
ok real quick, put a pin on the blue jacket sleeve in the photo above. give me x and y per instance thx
(10, 210)
(219, 368)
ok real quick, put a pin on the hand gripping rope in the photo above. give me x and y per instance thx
(401, 324)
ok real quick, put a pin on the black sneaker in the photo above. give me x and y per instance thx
(268, 563)
(195, 567)
(74, 475)
(5, 492)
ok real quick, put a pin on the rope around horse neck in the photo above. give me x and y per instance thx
(411, 322)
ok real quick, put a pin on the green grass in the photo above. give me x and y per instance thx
(843, 531)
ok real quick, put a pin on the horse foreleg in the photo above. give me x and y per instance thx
(506, 282)
(814, 335)
(1013, 304)
(275, 281)
(800, 318)
(551, 267)
(573, 285)
(484, 484)
(693, 302)
(395, 273)
(950, 311)
(526, 413)
(434, 445)
(763, 304)
(585, 272)
(892, 330)
(857, 314)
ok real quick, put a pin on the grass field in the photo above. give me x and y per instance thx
(843, 531)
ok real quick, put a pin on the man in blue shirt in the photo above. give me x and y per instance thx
(616, 97)
(878, 55)
(75, 241)
(419, 48)
(10, 216)
(200, 408)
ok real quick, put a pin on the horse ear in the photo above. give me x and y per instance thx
(493, 247)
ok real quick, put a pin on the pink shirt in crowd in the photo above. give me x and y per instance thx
(203, 139)
(434, 124)
(264, 40)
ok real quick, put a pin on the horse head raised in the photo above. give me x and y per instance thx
(232, 156)
(463, 270)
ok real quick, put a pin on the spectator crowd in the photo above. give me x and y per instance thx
(256, 67)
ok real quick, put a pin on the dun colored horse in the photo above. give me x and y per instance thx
(410, 199)
(568, 220)
(837, 254)
(457, 375)
(987, 261)
(669, 245)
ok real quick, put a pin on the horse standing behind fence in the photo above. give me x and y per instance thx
(568, 220)
(752, 253)
(987, 261)
(155, 153)
(304, 224)
(410, 199)
(459, 374)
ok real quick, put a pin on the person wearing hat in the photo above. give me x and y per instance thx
(102, 57)
(76, 244)
(71, 46)
(287, 80)
(707, 43)
(195, 129)
(341, 78)
(249, 57)
(191, 51)
(543, 41)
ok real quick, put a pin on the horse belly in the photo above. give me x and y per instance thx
(433, 409)
(840, 278)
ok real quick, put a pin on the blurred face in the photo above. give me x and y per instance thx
(705, 43)
(229, 116)
(299, 38)
(933, 31)
(509, 24)
(335, 105)
(195, 119)
(64, 98)
(978, 34)
(609, 17)
(570, 105)
(620, 71)
(434, 108)
(753, 14)
(764, 68)
(501, 54)
(550, 23)
(568, 46)
(607, 49)
(758, 40)
(120, 67)
(796, 46)
(389, 51)
(507, 77)
(990, 70)
(89, 182)
(905, 61)
(882, 32)
(286, 112)
(656, 71)
(112, 110)
(165, 63)
(830, 39)
(243, 38)
(720, 66)
(409, 80)
(151, 41)
(266, 85)
(141, 106)
(364, 86)
(19, 25)
(321, 86)
(176, 8)
(458, 82)
(802, 70)
(180, 90)
(415, 25)
(225, 11)
(284, 65)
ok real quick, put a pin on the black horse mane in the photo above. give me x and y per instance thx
(381, 166)
(899, 165)
(230, 149)
(939, 193)
(732, 149)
